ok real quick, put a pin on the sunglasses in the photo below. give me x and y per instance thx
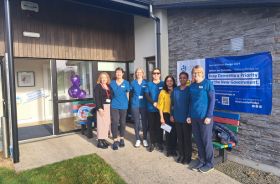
(155, 73)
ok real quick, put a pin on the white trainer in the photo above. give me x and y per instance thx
(137, 144)
(145, 143)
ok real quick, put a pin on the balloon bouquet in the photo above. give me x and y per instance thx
(74, 91)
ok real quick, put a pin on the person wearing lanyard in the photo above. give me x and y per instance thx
(102, 95)
(164, 104)
(202, 102)
(179, 113)
(138, 106)
(151, 94)
(119, 106)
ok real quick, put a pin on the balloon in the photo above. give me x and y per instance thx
(82, 94)
(75, 79)
(74, 91)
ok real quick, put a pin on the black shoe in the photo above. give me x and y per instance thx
(160, 147)
(188, 161)
(168, 153)
(174, 153)
(151, 148)
(101, 145)
(105, 142)
(115, 145)
(122, 143)
(179, 159)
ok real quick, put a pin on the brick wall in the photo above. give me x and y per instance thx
(205, 33)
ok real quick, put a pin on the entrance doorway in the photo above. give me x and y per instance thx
(34, 98)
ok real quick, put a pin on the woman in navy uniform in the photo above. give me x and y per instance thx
(151, 93)
(202, 102)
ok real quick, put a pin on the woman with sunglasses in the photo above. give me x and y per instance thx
(138, 106)
(151, 93)
(179, 112)
(202, 102)
(119, 106)
(164, 104)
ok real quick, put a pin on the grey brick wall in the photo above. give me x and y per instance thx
(205, 33)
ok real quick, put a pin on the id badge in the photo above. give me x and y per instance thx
(140, 97)
(160, 88)
(108, 100)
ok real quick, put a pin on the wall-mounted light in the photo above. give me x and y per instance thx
(31, 34)
(30, 6)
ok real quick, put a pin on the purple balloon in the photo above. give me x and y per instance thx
(74, 91)
(75, 79)
(82, 94)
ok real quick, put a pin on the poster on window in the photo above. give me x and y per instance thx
(242, 83)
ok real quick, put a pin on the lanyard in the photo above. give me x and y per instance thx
(107, 91)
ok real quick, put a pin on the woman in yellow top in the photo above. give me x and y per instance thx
(164, 105)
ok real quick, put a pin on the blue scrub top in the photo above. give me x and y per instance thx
(119, 98)
(180, 104)
(138, 100)
(199, 99)
(153, 90)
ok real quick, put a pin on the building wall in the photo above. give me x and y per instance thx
(71, 31)
(145, 41)
(205, 33)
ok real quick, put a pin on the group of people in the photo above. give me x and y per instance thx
(187, 109)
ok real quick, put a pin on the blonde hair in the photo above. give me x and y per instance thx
(141, 69)
(99, 78)
(199, 69)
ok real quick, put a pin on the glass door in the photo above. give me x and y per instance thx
(34, 98)
(75, 82)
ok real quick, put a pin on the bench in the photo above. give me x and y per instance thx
(231, 121)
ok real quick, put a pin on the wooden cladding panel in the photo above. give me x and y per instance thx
(71, 31)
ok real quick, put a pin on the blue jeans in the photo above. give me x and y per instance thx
(136, 112)
(203, 139)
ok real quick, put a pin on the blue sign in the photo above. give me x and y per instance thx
(242, 83)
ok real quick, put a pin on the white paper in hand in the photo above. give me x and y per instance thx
(166, 127)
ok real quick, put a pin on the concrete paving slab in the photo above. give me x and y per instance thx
(135, 165)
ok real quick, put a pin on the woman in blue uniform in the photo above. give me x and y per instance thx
(179, 113)
(202, 102)
(151, 93)
(138, 106)
(119, 105)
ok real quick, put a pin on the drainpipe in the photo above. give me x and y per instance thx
(11, 77)
(158, 50)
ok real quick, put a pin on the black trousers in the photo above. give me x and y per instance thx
(171, 138)
(118, 117)
(156, 133)
(184, 134)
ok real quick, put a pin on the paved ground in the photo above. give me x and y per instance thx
(135, 165)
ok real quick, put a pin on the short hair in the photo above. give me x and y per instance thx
(141, 69)
(155, 70)
(199, 68)
(99, 78)
(119, 69)
(184, 73)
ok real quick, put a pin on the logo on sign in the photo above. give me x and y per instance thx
(183, 68)
(83, 112)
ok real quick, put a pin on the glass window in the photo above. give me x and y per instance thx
(66, 69)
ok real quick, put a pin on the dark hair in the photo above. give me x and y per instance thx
(184, 73)
(155, 69)
(165, 85)
(119, 68)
